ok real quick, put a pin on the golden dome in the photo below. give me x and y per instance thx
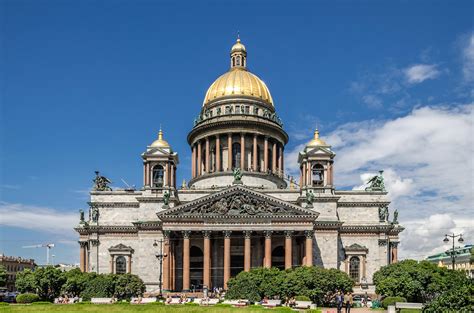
(317, 141)
(238, 81)
(160, 142)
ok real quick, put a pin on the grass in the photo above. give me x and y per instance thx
(127, 308)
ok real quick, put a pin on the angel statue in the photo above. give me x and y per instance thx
(81, 216)
(395, 217)
(237, 175)
(101, 183)
(309, 197)
(166, 198)
(376, 183)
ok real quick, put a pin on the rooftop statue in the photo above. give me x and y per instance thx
(383, 213)
(166, 198)
(376, 183)
(101, 183)
(81, 214)
(237, 175)
(309, 197)
(395, 217)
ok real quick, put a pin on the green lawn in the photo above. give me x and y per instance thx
(122, 308)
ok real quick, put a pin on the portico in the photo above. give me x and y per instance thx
(236, 230)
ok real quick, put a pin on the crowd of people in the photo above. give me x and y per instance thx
(66, 300)
(344, 301)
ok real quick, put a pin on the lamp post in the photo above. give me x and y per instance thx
(160, 256)
(446, 240)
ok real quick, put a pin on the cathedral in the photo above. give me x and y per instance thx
(239, 209)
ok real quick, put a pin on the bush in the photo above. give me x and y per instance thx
(391, 301)
(27, 298)
(302, 298)
(455, 300)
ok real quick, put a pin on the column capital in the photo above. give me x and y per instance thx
(207, 233)
(83, 244)
(186, 234)
(166, 234)
(247, 233)
(268, 233)
(227, 233)
(309, 234)
(289, 233)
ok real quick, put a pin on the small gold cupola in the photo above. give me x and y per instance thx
(238, 55)
(316, 141)
(160, 142)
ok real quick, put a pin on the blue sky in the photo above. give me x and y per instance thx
(86, 85)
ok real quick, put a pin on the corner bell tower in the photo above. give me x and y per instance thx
(159, 165)
(316, 165)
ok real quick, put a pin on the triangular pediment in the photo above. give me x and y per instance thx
(355, 247)
(120, 247)
(237, 202)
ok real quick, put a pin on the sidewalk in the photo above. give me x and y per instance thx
(353, 310)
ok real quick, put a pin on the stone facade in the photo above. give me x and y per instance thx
(239, 209)
(12, 266)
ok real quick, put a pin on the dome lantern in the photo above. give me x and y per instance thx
(238, 55)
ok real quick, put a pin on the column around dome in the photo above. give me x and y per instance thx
(218, 153)
(242, 151)
(265, 154)
(199, 165)
(229, 152)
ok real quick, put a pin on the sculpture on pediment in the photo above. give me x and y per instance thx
(376, 183)
(383, 213)
(81, 217)
(395, 217)
(240, 204)
(94, 213)
(166, 198)
(309, 197)
(237, 175)
(101, 183)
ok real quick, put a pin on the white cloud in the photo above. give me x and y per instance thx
(468, 59)
(420, 72)
(372, 101)
(428, 160)
(37, 218)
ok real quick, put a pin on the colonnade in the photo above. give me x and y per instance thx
(212, 147)
(169, 267)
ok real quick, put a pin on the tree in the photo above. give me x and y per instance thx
(99, 286)
(76, 282)
(417, 281)
(25, 281)
(128, 286)
(3, 276)
(454, 300)
(316, 283)
(49, 281)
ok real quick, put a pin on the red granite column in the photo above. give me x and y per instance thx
(218, 153)
(274, 157)
(207, 259)
(229, 152)
(247, 250)
(166, 260)
(227, 264)
(288, 249)
(242, 151)
(254, 161)
(268, 248)
(186, 260)
(265, 155)
(207, 155)
(199, 161)
(309, 247)
(193, 161)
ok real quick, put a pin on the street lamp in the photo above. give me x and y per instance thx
(160, 256)
(446, 240)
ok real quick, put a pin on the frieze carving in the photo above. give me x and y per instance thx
(239, 204)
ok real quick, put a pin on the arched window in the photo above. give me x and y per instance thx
(318, 175)
(120, 265)
(236, 155)
(158, 174)
(238, 61)
(354, 269)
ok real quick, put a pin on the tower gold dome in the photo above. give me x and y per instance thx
(238, 81)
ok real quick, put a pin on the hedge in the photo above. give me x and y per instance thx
(391, 301)
(27, 298)
(302, 298)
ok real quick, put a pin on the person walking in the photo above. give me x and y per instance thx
(348, 301)
(339, 302)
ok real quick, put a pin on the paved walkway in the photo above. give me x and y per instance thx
(353, 310)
